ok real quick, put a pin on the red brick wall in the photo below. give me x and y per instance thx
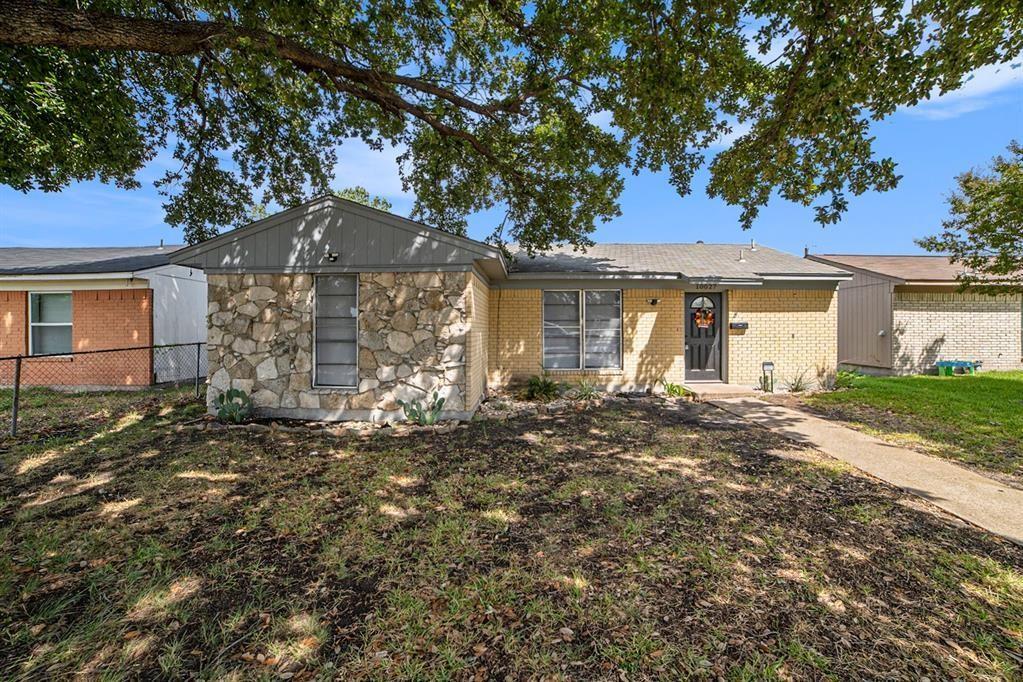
(120, 318)
(13, 323)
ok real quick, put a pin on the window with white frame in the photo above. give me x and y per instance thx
(49, 321)
(337, 331)
(582, 329)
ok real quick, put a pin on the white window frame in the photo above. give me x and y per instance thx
(316, 378)
(31, 324)
(582, 333)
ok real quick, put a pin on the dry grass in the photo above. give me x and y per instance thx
(631, 542)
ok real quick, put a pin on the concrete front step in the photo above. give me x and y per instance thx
(718, 390)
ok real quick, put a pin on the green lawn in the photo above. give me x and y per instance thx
(975, 419)
(631, 542)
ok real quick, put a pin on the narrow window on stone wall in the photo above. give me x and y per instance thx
(561, 329)
(603, 329)
(337, 333)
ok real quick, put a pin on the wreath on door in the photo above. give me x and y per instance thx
(704, 318)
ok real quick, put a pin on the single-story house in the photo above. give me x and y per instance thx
(334, 310)
(902, 314)
(56, 301)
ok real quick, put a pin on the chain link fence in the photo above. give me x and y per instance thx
(101, 370)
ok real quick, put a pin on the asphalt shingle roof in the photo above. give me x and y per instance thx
(85, 260)
(910, 268)
(692, 261)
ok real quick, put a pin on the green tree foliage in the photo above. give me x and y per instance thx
(539, 109)
(361, 195)
(984, 230)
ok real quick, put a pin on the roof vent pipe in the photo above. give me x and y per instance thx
(752, 244)
(742, 256)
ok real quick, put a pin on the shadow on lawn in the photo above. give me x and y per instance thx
(651, 540)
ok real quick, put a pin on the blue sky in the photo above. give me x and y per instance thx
(931, 143)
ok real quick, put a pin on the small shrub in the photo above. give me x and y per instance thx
(673, 390)
(846, 379)
(542, 387)
(585, 390)
(424, 415)
(233, 406)
(798, 384)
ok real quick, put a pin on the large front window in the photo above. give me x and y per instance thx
(49, 318)
(337, 331)
(582, 329)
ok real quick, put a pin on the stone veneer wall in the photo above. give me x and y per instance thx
(932, 326)
(412, 336)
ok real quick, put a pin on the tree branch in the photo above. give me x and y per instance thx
(33, 23)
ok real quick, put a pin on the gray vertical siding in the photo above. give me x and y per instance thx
(299, 240)
(864, 312)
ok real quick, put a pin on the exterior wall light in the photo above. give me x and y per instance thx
(653, 301)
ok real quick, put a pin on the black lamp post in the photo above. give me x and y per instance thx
(767, 380)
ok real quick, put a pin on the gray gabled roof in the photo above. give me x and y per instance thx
(82, 260)
(329, 234)
(687, 261)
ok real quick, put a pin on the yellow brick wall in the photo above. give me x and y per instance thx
(651, 340)
(932, 326)
(797, 330)
(476, 351)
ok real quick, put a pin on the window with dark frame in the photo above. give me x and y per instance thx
(49, 321)
(336, 331)
(582, 329)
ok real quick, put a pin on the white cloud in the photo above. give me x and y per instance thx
(984, 87)
(377, 171)
(725, 141)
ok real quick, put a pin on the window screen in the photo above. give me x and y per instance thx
(561, 329)
(50, 323)
(337, 348)
(603, 329)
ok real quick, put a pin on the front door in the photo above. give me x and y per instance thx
(703, 337)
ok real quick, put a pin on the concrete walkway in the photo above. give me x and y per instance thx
(959, 491)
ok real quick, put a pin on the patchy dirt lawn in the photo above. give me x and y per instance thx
(631, 542)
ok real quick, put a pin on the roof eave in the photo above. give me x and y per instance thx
(596, 275)
(809, 277)
(11, 277)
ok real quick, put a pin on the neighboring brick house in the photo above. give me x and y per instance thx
(334, 310)
(902, 314)
(55, 302)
